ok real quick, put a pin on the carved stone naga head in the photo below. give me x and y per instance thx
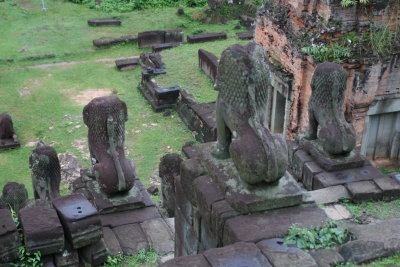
(105, 117)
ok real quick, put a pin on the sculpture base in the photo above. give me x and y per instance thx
(133, 199)
(9, 143)
(307, 169)
(246, 198)
(329, 162)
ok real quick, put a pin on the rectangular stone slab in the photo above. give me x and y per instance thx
(238, 254)
(151, 91)
(131, 238)
(127, 62)
(9, 237)
(174, 36)
(150, 38)
(192, 261)
(326, 179)
(245, 35)
(161, 47)
(129, 217)
(42, 230)
(208, 63)
(206, 37)
(9, 143)
(104, 22)
(80, 219)
(276, 223)
(246, 198)
(109, 41)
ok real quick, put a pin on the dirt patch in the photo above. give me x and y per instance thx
(85, 96)
(82, 146)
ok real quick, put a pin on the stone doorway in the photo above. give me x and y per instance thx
(381, 139)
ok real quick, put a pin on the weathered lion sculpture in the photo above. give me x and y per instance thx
(336, 136)
(243, 82)
(46, 172)
(105, 117)
(6, 127)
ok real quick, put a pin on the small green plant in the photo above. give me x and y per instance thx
(382, 40)
(143, 257)
(322, 53)
(27, 259)
(327, 236)
(114, 261)
(348, 3)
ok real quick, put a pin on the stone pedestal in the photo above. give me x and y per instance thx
(80, 220)
(214, 208)
(354, 173)
(42, 230)
(9, 238)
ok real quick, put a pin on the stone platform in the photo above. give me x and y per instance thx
(357, 177)
(213, 209)
(9, 143)
(130, 221)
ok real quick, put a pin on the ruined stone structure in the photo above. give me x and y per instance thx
(285, 27)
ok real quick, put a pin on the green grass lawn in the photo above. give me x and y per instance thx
(47, 103)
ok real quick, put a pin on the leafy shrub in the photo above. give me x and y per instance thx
(129, 5)
(348, 3)
(27, 259)
(322, 53)
(114, 261)
(327, 236)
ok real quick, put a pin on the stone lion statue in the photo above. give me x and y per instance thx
(46, 172)
(243, 82)
(105, 117)
(326, 110)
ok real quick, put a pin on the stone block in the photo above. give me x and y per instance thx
(310, 169)
(364, 191)
(337, 212)
(68, 257)
(245, 35)
(206, 37)
(330, 194)
(220, 212)
(190, 152)
(129, 217)
(47, 261)
(190, 170)
(389, 186)
(326, 179)
(110, 41)
(187, 236)
(80, 220)
(193, 261)
(174, 36)
(42, 230)
(252, 228)
(292, 148)
(208, 239)
(158, 235)
(171, 224)
(131, 238)
(127, 63)
(208, 63)
(95, 254)
(300, 157)
(104, 22)
(158, 97)
(150, 38)
(359, 251)
(14, 196)
(133, 199)
(111, 242)
(207, 192)
(238, 254)
(9, 237)
(280, 254)
(182, 204)
(327, 257)
(161, 47)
